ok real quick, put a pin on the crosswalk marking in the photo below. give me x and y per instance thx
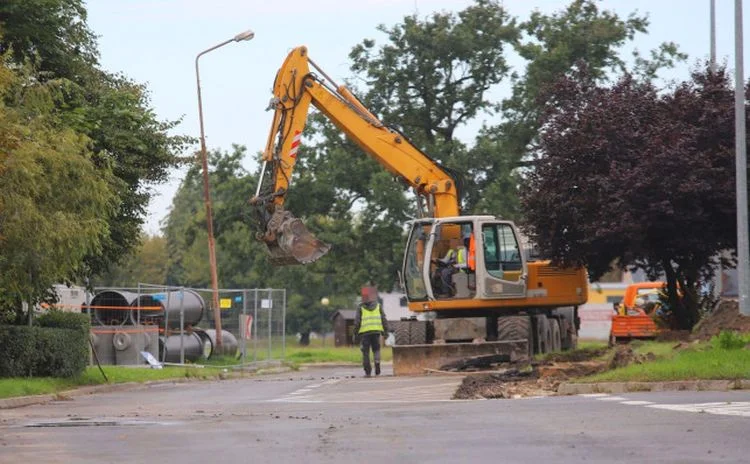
(377, 390)
(725, 408)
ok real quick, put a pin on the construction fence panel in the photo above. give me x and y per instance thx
(256, 319)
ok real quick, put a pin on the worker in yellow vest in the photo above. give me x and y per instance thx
(369, 325)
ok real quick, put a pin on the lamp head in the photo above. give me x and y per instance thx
(247, 35)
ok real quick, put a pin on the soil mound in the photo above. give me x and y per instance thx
(541, 380)
(624, 356)
(726, 316)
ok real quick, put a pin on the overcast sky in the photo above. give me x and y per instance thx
(156, 42)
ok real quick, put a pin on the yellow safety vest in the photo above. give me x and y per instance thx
(460, 255)
(371, 320)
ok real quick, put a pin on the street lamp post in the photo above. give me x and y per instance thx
(325, 302)
(247, 35)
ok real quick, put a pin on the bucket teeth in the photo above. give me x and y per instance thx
(291, 242)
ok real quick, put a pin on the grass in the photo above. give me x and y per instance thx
(23, 386)
(719, 359)
(685, 365)
(313, 354)
(295, 356)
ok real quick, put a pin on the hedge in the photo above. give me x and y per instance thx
(57, 347)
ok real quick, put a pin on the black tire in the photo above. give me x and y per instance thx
(417, 332)
(544, 335)
(401, 331)
(556, 339)
(513, 328)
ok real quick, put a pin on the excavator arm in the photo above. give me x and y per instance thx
(296, 88)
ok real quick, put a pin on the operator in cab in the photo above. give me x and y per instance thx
(369, 324)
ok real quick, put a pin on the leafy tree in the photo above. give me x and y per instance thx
(148, 264)
(53, 196)
(553, 45)
(433, 76)
(51, 35)
(53, 38)
(627, 174)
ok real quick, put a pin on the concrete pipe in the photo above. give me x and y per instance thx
(229, 343)
(169, 347)
(129, 342)
(101, 340)
(112, 307)
(164, 308)
(208, 344)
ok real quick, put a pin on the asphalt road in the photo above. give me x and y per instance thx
(334, 415)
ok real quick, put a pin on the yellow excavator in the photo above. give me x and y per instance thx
(496, 304)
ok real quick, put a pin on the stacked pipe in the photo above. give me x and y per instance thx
(167, 321)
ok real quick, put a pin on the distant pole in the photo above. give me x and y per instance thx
(713, 36)
(743, 249)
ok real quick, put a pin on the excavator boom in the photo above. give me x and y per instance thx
(296, 88)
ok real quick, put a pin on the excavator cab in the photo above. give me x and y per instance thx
(464, 257)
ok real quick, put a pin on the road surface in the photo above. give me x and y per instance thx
(335, 415)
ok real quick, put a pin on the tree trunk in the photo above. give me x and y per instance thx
(685, 308)
(304, 339)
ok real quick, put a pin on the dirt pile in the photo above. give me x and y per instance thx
(624, 356)
(726, 316)
(539, 379)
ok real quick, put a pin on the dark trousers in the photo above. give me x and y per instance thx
(369, 340)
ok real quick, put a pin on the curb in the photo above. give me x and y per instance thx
(631, 387)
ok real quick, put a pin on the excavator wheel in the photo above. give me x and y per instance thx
(418, 334)
(512, 328)
(556, 339)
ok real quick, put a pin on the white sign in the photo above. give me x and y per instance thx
(151, 360)
(266, 304)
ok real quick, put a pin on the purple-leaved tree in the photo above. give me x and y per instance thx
(633, 177)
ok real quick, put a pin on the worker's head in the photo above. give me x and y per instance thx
(369, 294)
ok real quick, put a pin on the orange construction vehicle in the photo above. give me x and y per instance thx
(493, 300)
(635, 316)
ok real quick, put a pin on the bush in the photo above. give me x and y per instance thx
(57, 348)
(730, 340)
(62, 320)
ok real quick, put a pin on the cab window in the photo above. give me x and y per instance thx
(502, 257)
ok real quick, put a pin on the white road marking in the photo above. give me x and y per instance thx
(725, 408)
(377, 390)
(740, 408)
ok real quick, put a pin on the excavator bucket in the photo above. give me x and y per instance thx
(289, 241)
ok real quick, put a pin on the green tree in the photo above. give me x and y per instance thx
(554, 46)
(53, 38)
(50, 35)
(53, 196)
(147, 264)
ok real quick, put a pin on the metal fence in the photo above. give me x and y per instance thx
(256, 317)
(177, 324)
